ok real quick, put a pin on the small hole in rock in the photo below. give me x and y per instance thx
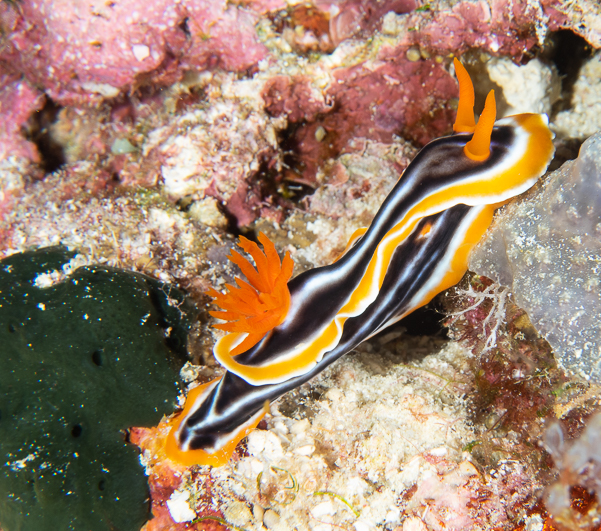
(424, 321)
(11, 329)
(101, 484)
(97, 358)
(568, 51)
(76, 430)
(183, 25)
(173, 342)
(39, 131)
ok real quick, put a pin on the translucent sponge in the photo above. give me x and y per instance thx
(547, 248)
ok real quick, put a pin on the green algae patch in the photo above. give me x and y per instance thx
(83, 357)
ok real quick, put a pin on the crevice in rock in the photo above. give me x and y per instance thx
(39, 132)
(567, 51)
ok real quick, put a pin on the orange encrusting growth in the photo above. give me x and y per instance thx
(478, 148)
(464, 122)
(259, 305)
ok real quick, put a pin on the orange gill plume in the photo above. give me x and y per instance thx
(259, 305)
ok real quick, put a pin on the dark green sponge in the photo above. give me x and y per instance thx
(80, 362)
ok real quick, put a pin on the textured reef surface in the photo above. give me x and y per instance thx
(145, 136)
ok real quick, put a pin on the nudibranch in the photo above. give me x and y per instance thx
(282, 333)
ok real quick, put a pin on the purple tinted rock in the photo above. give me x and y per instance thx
(81, 52)
(376, 101)
(18, 100)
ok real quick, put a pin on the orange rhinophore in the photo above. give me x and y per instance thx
(478, 148)
(464, 123)
(259, 305)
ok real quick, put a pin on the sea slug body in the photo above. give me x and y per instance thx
(417, 246)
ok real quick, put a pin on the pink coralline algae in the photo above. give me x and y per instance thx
(294, 98)
(459, 496)
(402, 98)
(17, 101)
(84, 51)
(374, 101)
(500, 26)
(362, 16)
(18, 156)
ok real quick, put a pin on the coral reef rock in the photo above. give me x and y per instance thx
(382, 438)
(81, 52)
(584, 117)
(533, 87)
(579, 464)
